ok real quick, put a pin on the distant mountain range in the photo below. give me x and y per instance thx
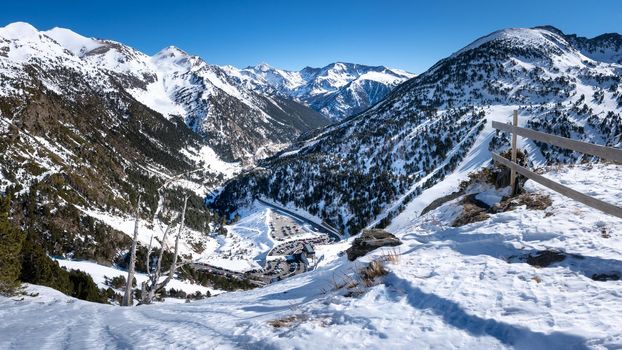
(237, 122)
(243, 114)
(337, 90)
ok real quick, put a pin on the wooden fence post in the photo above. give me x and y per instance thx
(604, 152)
(514, 150)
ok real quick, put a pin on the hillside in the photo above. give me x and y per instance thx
(472, 286)
(365, 170)
(75, 142)
(237, 123)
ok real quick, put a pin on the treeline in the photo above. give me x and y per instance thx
(22, 259)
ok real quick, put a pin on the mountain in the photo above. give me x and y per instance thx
(78, 149)
(238, 123)
(363, 171)
(337, 90)
(243, 114)
(87, 125)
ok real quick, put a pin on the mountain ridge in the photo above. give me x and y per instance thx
(338, 90)
(367, 168)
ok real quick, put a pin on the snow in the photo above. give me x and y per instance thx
(246, 245)
(452, 287)
(156, 98)
(525, 35)
(72, 41)
(492, 196)
(248, 241)
(19, 31)
(211, 160)
(100, 272)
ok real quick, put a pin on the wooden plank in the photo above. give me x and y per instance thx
(566, 191)
(514, 151)
(604, 152)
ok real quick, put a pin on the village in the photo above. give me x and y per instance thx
(293, 253)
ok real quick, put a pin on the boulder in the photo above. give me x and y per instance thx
(371, 240)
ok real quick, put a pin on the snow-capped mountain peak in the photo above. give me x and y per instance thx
(526, 37)
(328, 89)
(171, 52)
(263, 67)
(72, 41)
(19, 30)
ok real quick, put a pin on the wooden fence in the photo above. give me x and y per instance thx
(604, 152)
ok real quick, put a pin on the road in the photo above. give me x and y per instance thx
(316, 227)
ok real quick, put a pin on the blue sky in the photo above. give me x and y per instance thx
(292, 34)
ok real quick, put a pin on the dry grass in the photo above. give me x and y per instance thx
(391, 256)
(371, 272)
(288, 321)
(470, 214)
(537, 279)
(357, 282)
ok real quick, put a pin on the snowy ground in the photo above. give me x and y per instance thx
(451, 288)
(99, 274)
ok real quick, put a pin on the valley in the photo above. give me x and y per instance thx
(340, 206)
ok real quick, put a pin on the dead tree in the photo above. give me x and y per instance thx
(153, 285)
(150, 288)
(127, 297)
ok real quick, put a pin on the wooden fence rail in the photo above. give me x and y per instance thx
(604, 152)
(583, 147)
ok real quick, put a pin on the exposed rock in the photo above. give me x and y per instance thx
(545, 258)
(533, 201)
(603, 277)
(371, 240)
(474, 211)
(440, 201)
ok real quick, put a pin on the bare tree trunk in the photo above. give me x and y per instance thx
(147, 260)
(179, 232)
(130, 271)
(154, 277)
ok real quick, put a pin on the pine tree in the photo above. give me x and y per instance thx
(11, 239)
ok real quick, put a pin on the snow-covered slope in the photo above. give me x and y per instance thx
(461, 288)
(366, 169)
(337, 90)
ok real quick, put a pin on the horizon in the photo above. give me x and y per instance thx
(284, 36)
